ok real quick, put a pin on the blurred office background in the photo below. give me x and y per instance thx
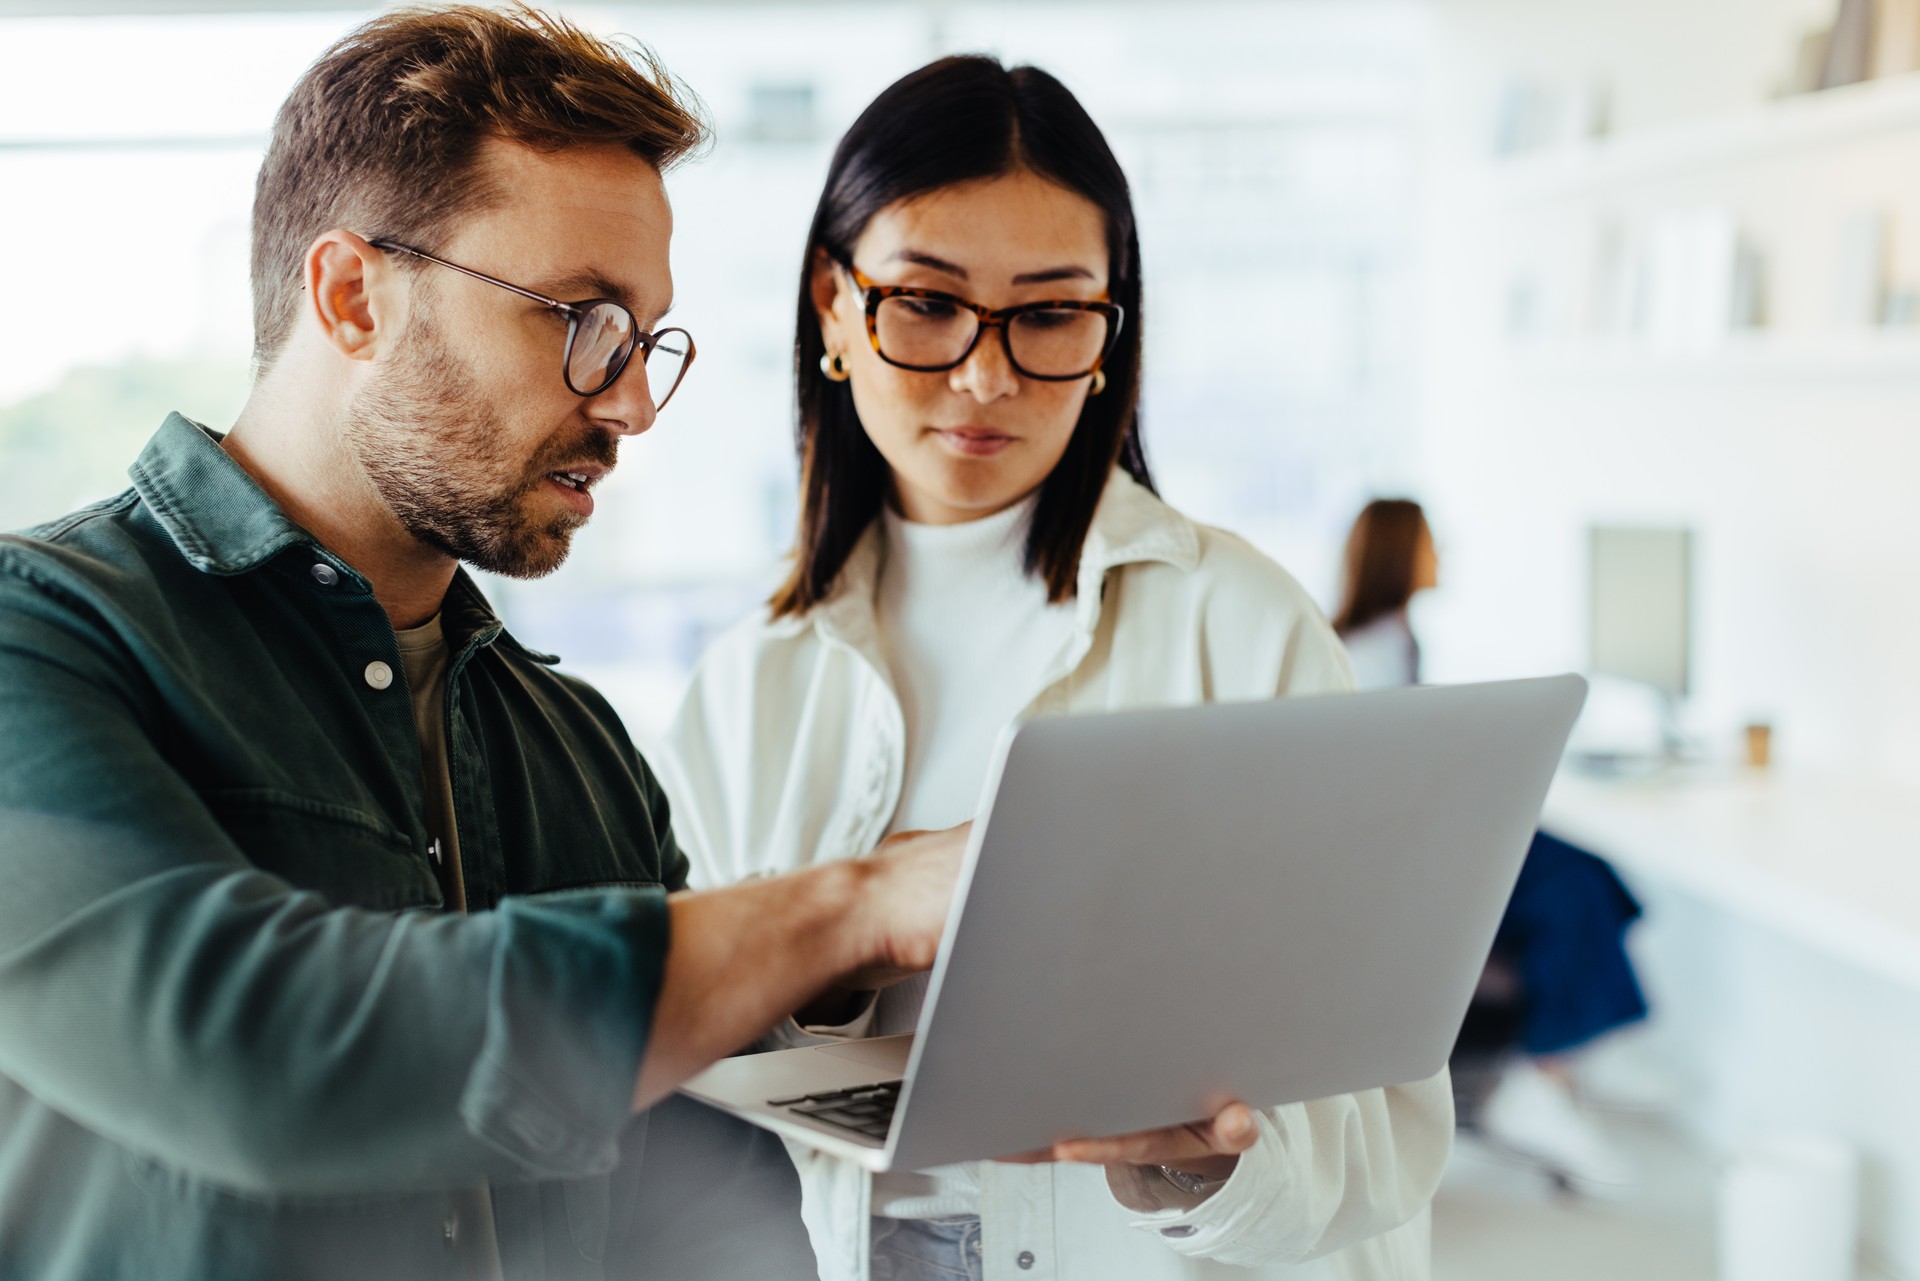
(1548, 266)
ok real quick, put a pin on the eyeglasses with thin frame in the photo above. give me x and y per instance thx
(929, 331)
(601, 337)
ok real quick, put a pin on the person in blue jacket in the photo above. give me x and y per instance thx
(1559, 978)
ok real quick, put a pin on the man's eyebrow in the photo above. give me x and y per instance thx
(577, 286)
(922, 259)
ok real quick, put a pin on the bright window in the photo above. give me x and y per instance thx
(1271, 148)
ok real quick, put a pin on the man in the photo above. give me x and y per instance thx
(257, 727)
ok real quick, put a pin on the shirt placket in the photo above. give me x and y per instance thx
(1016, 1216)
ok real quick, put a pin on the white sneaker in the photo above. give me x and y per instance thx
(1534, 1116)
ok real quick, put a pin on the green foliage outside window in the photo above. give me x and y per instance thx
(72, 444)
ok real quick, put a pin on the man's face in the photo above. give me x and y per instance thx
(467, 429)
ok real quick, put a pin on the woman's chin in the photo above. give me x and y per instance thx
(963, 498)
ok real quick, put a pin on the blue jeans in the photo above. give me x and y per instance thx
(926, 1250)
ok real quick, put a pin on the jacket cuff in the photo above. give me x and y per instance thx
(1210, 1225)
(573, 988)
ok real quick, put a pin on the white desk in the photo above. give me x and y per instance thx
(1833, 863)
(1781, 957)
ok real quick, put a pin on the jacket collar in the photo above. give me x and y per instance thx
(216, 514)
(224, 523)
(1130, 525)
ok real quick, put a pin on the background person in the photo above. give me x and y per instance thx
(1559, 977)
(341, 934)
(980, 541)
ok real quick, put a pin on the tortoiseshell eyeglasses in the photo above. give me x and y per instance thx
(601, 337)
(930, 331)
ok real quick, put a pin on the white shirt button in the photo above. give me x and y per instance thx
(325, 574)
(378, 674)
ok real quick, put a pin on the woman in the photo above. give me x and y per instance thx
(1560, 977)
(979, 542)
(1390, 559)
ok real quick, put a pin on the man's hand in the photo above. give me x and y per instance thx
(741, 958)
(1210, 1149)
(904, 911)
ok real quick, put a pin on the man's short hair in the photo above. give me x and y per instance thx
(383, 134)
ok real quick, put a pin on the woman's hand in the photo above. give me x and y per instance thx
(1209, 1149)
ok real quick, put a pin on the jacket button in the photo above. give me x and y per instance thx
(325, 574)
(1179, 1230)
(378, 674)
(1025, 1260)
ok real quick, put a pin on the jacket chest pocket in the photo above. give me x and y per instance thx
(352, 858)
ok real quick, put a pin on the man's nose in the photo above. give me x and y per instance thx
(986, 374)
(626, 408)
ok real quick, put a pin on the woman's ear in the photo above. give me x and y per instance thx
(828, 285)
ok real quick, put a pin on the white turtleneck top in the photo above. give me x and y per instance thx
(968, 637)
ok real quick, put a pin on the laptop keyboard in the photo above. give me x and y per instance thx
(867, 1110)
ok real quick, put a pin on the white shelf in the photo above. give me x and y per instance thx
(1846, 114)
(1894, 355)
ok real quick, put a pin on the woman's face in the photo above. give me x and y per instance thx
(1426, 562)
(975, 439)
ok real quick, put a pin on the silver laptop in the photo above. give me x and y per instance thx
(1162, 911)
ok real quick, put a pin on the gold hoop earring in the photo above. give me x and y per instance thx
(834, 367)
(1099, 382)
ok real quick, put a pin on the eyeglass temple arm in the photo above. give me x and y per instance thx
(395, 246)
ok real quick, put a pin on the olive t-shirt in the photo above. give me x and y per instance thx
(424, 652)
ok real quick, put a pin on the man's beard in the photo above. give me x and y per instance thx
(438, 456)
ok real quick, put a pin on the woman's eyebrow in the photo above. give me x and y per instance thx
(1052, 273)
(922, 259)
(927, 260)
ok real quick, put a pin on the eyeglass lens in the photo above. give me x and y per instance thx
(602, 343)
(1049, 343)
(602, 339)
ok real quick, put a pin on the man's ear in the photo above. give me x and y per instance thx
(351, 294)
(828, 285)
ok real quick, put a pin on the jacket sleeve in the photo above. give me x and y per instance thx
(1331, 1173)
(1322, 1176)
(159, 989)
(704, 762)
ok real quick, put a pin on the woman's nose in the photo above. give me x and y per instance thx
(986, 374)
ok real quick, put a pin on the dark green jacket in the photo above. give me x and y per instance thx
(237, 1039)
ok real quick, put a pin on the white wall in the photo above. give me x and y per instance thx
(1794, 454)
(1795, 461)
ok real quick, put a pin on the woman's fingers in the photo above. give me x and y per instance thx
(1230, 1132)
(1233, 1129)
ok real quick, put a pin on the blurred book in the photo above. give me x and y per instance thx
(1896, 37)
(1860, 283)
(1809, 62)
(1850, 50)
(1700, 280)
(1535, 116)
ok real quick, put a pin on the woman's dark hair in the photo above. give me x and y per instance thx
(954, 121)
(1382, 554)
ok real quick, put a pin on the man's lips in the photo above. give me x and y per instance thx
(974, 442)
(573, 483)
(582, 476)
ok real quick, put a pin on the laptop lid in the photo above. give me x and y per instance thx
(1164, 910)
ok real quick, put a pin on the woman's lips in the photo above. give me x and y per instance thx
(973, 442)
